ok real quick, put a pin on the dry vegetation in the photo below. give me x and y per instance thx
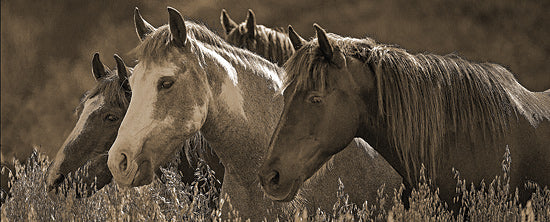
(168, 199)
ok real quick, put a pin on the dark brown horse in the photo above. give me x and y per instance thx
(440, 111)
(100, 113)
(272, 44)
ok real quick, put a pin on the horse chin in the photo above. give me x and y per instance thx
(290, 195)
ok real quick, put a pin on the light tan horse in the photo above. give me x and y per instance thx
(182, 85)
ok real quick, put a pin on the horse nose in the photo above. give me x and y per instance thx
(270, 179)
(123, 165)
(118, 163)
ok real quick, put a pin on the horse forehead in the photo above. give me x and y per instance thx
(93, 103)
(145, 72)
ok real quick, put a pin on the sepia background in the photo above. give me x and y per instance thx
(47, 46)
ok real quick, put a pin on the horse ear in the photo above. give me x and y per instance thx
(98, 69)
(143, 28)
(177, 27)
(296, 40)
(227, 23)
(251, 23)
(324, 45)
(122, 73)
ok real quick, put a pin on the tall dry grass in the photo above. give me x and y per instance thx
(169, 199)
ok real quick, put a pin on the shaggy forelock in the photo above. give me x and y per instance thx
(111, 89)
(306, 68)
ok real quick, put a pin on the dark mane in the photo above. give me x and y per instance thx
(306, 68)
(110, 87)
(422, 96)
(272, 44)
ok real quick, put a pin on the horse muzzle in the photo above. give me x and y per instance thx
(130, 172)
(277, 188)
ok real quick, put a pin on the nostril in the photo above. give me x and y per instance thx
(274, 178)
(123, 163)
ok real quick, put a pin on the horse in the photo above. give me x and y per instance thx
(442, 112)
(272, 44)
(182, 85)
(275, 45)
(100, 112)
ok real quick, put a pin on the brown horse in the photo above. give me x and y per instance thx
(440, 111)
(182, 85)
(100, 113)
(265, 42)
(272, 44)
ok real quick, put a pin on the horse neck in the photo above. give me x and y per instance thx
(375, 132)
(371, 126)
(243, 111)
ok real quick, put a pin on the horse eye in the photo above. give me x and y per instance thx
(315, 99)
(111, 118)
(165, 84)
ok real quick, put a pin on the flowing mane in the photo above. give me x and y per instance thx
(272, 44)
(422, 97)
(158, 45)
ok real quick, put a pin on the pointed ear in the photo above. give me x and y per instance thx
(122, 73)
(296, 40)
(324, 45)
(251, 24)
(227, 23)
(177, 27)
(98, 69)
(143, 28)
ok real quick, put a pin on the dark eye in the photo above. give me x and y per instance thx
(111, 118)
(166, 84)
(315, 99)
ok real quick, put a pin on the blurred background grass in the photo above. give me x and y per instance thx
(47, 46)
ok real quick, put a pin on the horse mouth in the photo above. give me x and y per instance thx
(289, 195)
(129, 177)
(143, 175)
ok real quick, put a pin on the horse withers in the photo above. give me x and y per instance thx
(440, 111)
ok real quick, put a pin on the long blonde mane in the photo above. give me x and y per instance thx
(422, 97)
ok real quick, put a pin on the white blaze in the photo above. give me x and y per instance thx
(139, 117)
(89, 107)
